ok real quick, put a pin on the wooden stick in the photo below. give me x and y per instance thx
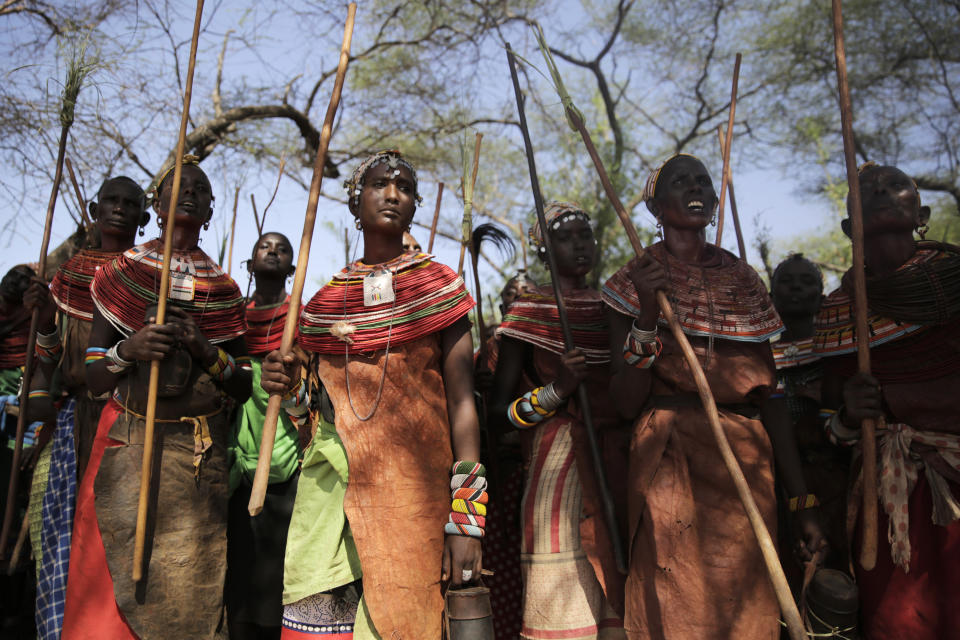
(733, 202)
(146, 470)
(262, 476)
(769, 551)
(468, 202)
(868, 550)
(726, 148)
(233, 228)
(346, 246)
(436, 218)
(256, 218)
(12, 488)
(263, 218)
(583, 399)
(76, 190)
(18, 547)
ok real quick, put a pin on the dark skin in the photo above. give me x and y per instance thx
(575, 252)
(386, 208)
(891, 212)
(12, 290)
(684, 204)
(797, 291)
(271, 265)
(156, 341)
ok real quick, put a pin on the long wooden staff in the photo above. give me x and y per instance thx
(75, 75)
(262, 476)
(233, 228)
(467, 225)
(583, 399)
(256, 217)
(436, 218)
(868, 550)
(725, 179)
(146, 470)
(767, 548)
(76, 190)
(733, 203)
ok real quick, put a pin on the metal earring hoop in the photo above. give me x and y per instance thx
(141, 232)
(922, 231)
(357, 224)
(206, 225)
(659, 228)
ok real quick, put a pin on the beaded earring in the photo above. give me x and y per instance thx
(206, 225)
(659, 228)
(357, 224)
(141, 232)
(922, 231)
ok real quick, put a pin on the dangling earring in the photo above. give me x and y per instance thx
(659, 228)
(922, 230)
(206, 225)
(357, 224)
(160, 223)
(141, 232)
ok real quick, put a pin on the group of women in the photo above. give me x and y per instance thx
(378, 496)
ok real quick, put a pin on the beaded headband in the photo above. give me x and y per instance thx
(390, 157)
(154, 193)
(650, 190)
(555, 214)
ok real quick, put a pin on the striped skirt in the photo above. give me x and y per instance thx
(562, 597)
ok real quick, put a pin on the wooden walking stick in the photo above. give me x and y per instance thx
(146, 470)
(725, 179)
(262, 476)
(76, 72)
(583, 399)
(466, 226)
(767, 548)
(436, 218)
(733, 203)
(87, 225)
(233, 228)
(868, 550)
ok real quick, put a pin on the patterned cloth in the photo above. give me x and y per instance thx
(533, 318)
(57, 519)
(324, 616)
(724, 297)
(898, 475)
(429, 298)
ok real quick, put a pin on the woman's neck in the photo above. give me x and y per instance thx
(377, 249)
(572, 283)
(110, 243)
(270, 290)
(686, 245)
(184, 238)
(885, 253)
(797, 327)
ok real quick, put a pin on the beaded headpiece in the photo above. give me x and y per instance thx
(555, 214)
(650, 190)
(390, 157)
(154, 193)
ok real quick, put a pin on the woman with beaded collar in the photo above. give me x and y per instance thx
(695, 569)
(201, 352)
(390, 340)
(565, 546)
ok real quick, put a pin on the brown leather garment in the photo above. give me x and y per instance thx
(398, 494)
(696, 570)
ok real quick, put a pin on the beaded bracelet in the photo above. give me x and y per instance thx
(805, 501)
(641, 347)
(38, 393)
(468, 505)
(94, 354)
(244, 362)
(48, 347)
(837, 432)
(116, 364)
(534, 407)
(295, 400)
(223, 367)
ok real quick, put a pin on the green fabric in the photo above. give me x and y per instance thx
(38, 487)
(247, 432)
(10, 381)
(321, 554)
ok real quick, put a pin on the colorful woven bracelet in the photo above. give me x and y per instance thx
(467, 518)
(464, 506)
(464, 481)
(116, 364)
(468, 468)
(473, 495)
(529, 410)
(454, 529)
(48, 347)
(805, 501)
(223, 367)
(94, 354)
(39, 393)
(295, 400)
(837, 432)
(639, 354)
(244, 362)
